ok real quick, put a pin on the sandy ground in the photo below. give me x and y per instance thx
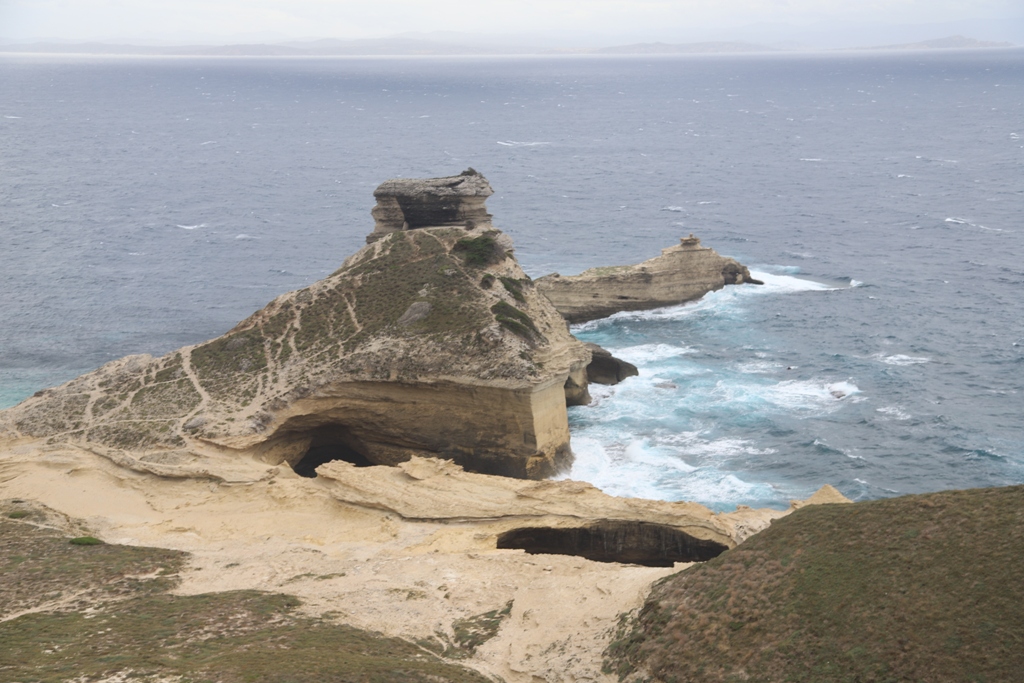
(363, 566)
(410, 573)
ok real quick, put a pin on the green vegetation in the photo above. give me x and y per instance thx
(918, 588)
(136, 434)
(514, 287)
(479, 251)
(472, 632)
(18, 514)
(108, 614)
(515, 320)
(228, 365)
(58, 413)
(85, 540)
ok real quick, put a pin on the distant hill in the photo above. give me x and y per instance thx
(947, 43)
(682, 48)
(412, 46)
(917, 588)
(125, 49)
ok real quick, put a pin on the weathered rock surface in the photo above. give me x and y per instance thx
(410, 203)
(426, 342)
(409, 551)
(682, 273)
(604, 368)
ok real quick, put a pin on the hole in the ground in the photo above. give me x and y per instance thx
(329, 443)
(652, 545)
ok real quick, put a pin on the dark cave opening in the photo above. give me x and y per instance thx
(651, 545)
(329, 443)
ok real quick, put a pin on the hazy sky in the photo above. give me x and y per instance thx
(281, 19)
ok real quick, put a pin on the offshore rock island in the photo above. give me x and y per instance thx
(340, 445)
(684, 272)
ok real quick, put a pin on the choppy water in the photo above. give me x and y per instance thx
(151, 203)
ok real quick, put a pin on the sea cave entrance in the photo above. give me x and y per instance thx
(652, 545)
(330, 442)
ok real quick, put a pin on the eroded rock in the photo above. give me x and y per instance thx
(401, 352)
(605, 368)
(411, 203)
(682, 273)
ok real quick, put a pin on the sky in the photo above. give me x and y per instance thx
(608, 21)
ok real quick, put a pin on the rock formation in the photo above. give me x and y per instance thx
(426, 342)
(412, 551)
(410, 203)
(605, 368)
(430, 341)
(682, 273)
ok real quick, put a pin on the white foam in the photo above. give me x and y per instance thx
(243, 236)
(758, 367)
(810, 159)
(900, 359)
(650, 353)
(720, 300)
(514, 143)
(786, 283)
(841, 390)
(192, 227)
(677, 209)
(808, 395)
(12, 117)
(895, 412)
(696, 447)
(208, 142)
(958, 221)
(638, 470)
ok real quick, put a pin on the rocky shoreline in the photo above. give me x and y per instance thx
(353, 430)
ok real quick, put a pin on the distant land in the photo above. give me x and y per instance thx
(403, 46)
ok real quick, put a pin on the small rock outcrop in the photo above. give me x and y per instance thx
(428, 342)
(682, 273)
(411, 203)
(604, 368)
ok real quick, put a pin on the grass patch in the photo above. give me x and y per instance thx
(134, 625)
(18, 514)
(85, 540)
(514, 320)
(479, 251)
(472, 632)
(514, 287)
(918, 588)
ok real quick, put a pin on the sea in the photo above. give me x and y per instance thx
(149, 203)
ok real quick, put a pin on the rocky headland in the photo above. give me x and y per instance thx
(340, 445)
(428, 342)
(684, 272)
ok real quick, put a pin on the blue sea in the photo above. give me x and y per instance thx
(149, 203)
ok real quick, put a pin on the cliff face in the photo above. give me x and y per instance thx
(682, 273)
(411, 203)
(428, 342)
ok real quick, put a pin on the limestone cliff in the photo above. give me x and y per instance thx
(411, 203)
(682, 273)
(428, 342)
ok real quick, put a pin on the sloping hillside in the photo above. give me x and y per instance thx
(918, 588)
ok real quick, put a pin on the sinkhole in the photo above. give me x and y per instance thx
(327, 444)
(651, 545)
